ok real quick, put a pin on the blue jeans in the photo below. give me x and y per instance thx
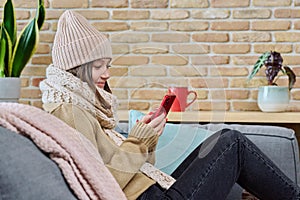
(214, 167)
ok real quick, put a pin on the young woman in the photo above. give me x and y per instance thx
(76, 91)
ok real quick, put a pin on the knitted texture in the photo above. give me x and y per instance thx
(78, 159)
(77, 42)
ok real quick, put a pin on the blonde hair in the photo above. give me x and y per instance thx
(84, 73)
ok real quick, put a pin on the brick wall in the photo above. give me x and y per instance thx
(207, 45)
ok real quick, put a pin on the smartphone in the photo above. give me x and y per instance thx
(165, 106)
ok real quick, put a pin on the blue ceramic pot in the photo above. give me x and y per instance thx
(273, 98)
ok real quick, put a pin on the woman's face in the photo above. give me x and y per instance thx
(100, 73)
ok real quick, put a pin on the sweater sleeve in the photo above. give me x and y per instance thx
(132, 154)
(146, 134)
(150, 139)
(123, 161)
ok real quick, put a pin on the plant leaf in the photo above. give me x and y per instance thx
(9, 21)
(25, 48)
(291, 75)
(5, 52)
(2, 53)
(9, 49)
(40, 14)
(259, 63)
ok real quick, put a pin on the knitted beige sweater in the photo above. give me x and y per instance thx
(131, 159)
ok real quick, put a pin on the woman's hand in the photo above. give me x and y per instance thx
(158, 123)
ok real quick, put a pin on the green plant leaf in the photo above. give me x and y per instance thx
(40, 14)
(9, 49)
(259, 63)
(9, 21)
(5, 52)
(292, 77)
(2, 53)
(25, 48)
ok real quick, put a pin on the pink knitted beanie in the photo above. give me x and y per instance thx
(77, 42)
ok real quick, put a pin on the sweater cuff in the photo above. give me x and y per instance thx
(145, 133)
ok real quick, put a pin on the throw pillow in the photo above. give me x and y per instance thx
(176, 142)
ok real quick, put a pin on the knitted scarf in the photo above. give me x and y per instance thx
(61, 86)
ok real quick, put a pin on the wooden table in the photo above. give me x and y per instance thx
(233, 117)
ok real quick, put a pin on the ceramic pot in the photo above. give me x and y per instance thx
(10, 89)
(273, 98)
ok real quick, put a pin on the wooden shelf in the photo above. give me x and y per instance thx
(232, 117)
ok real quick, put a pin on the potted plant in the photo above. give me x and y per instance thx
(273, 98)
(15, 52)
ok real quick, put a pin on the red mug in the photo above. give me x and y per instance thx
(180, 103)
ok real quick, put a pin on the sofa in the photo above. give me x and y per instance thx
(28, 173)
(278, 143)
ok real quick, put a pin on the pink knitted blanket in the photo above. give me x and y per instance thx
(78, 159)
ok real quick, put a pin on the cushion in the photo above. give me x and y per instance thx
(176, 142)
(27, 173)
